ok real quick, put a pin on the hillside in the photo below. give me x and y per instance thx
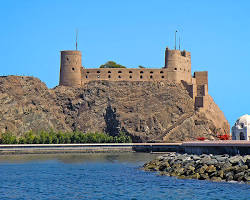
(144, 110)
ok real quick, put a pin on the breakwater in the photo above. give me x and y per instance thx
(214, 147)
(202, 167)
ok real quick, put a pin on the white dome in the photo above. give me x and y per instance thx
(243, 121)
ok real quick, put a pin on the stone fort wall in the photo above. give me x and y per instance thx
(120, 74)
(177, 69)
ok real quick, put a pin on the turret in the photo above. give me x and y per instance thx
(70, 69)
(178, 64)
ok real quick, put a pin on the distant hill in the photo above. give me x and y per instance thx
(145, 110)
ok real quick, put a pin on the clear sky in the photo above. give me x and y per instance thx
(132, 33)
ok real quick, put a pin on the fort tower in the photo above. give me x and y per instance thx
(178, 64)
(70, 68)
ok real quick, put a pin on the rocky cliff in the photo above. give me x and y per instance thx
(147, 111)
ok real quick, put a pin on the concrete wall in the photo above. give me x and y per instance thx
(70, 69)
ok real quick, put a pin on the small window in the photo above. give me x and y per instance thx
(180, 68)
(119, 76)
(109, 72)
(86, 76)
(141, 72)
(119, 72)
(175, 69)
(162, 76)
(98, 72)
(68, 59)
(130, 72)
(151, 72)
(151, 76)
(161, 72)
(141, 76)
(73, 68)
(98, 76)
(130, 76)
(109, 76)
(87, 72)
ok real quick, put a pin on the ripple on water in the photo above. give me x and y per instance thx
(102, 176)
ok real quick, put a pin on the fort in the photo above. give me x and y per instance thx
(177, 69)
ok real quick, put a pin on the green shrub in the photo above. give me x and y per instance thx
(8, 138)
(112, 64)
(52, 137)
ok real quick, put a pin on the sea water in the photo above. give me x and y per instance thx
(101, 176)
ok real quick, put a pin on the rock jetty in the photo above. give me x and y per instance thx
(203, 167)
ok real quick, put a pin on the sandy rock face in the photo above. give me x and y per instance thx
(144, 110)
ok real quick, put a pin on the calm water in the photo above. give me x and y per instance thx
(101, 176)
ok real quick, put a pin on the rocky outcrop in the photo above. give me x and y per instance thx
(144, 110)
(203, 167)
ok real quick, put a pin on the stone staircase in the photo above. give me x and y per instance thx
(159, 138)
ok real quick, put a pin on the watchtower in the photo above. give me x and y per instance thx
(70, 68)
(178, 64)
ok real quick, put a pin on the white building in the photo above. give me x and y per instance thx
(241, 128)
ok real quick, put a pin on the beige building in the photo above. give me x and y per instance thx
(177, 69)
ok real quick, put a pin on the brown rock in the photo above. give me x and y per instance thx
(144, 110)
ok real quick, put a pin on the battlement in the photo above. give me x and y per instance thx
(177, 69)
(176, 52)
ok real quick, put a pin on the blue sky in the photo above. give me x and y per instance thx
(132, 33)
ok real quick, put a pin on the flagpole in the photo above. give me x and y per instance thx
(175, 39)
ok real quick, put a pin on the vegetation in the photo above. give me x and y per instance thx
(112, 64)
(52, 137)
(141, 67)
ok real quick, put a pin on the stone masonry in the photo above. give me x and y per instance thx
(177, 69)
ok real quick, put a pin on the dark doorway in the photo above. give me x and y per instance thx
(242, 136)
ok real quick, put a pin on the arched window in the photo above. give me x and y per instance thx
(151, 72)
(119, 76)
(130, 76)
(98, 72)
(130, 72)
(161, 72)
(87, 72)
(141, 72)
(175, 69)
(109, 76)
(98, 76)
(141, 76)
(73, 69)
(109, 72)
(151, 76)
(86, 76)
(162, 76)
(242, 137)
(119, 72)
